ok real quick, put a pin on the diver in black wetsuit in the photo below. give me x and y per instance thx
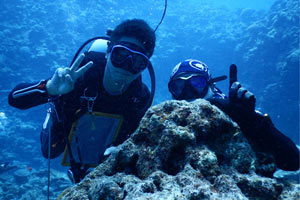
(191, 79)
(105, 82)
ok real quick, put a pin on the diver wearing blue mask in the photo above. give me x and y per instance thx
(191, 80)
(98, 101)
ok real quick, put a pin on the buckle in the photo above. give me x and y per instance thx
(90, 100)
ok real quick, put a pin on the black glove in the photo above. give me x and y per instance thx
(240, 105)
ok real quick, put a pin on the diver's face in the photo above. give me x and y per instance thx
(116, 80)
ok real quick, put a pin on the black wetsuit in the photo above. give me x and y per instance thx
(262, 134)
(131, 105)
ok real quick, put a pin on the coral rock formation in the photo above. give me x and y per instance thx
(182, 151)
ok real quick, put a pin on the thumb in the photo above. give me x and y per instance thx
(51, 83)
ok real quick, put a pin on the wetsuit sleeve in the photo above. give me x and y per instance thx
(263, 131)
(259, 129)
(27, 95)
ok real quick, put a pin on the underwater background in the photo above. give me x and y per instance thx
(260, 36)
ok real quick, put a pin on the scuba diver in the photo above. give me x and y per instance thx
(97, 102)
(191, 79)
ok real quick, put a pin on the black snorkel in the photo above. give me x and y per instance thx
(217, 79)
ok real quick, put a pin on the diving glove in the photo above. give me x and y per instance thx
(240, 105)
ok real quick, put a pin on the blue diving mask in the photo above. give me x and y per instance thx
(131, 60)
(188, 86)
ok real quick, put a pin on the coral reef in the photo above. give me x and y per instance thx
(182, 150)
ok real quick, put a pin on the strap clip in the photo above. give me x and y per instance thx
(90, 100)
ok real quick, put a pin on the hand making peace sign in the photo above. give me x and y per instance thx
(64, 79)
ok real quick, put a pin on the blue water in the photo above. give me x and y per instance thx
(235, 4)
(261, 37)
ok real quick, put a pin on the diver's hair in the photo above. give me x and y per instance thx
(135, 28)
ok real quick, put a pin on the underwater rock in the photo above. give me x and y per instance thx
(181, 150)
